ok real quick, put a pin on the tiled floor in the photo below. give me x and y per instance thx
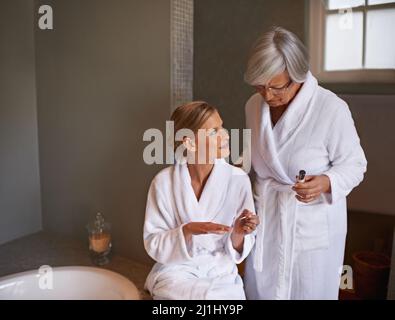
(33, 251)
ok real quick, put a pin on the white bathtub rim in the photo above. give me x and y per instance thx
(126, 283)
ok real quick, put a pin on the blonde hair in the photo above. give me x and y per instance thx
(191, 116)
(273, 53)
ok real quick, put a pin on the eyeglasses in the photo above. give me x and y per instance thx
(275, 91)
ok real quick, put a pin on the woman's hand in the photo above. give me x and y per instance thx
(312, 188)
(196, 228)
(245, 223)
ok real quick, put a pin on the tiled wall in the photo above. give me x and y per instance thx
(181, 51)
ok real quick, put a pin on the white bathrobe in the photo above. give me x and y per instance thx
(206, 267)
(299, 247)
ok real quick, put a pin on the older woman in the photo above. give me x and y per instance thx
(199, 218)
(297, 125)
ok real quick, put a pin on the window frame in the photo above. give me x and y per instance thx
(316, 45)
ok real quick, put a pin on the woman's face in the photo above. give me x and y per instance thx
(279, 91)
(212, 141)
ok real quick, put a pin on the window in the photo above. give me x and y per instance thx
(352, 40)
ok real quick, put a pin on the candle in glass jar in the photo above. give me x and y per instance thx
(99, 242)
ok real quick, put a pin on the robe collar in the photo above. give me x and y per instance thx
(213, 195)
(274, 140)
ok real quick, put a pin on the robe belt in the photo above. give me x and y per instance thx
(282, 200)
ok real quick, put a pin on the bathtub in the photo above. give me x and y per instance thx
(67, 283)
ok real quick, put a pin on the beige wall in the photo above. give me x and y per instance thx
(103, 79)
(20, 207)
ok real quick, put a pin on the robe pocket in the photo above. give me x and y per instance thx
(312, 226)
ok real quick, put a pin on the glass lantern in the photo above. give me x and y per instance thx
(99, 240)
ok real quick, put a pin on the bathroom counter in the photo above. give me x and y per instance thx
(31, 252)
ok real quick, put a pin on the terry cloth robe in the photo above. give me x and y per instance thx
(299, 247)
(206, 267)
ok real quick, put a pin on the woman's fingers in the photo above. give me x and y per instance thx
(250, 225)
(299, 198)
(308, 196)
(218, 231)
(301, 190)
(310, 182)
(306, 200)
(207, 227)
(315, 195)
(247, 222)
(253, 219)
(306, 192)
(313, 184)
(218, 228)
(245, 214)
(248, 229)
(222, 227)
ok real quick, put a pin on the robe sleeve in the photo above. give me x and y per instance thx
(348, 162)
(246, 202)
(164, 241)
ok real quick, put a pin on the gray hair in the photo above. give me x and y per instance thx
(273, 53)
